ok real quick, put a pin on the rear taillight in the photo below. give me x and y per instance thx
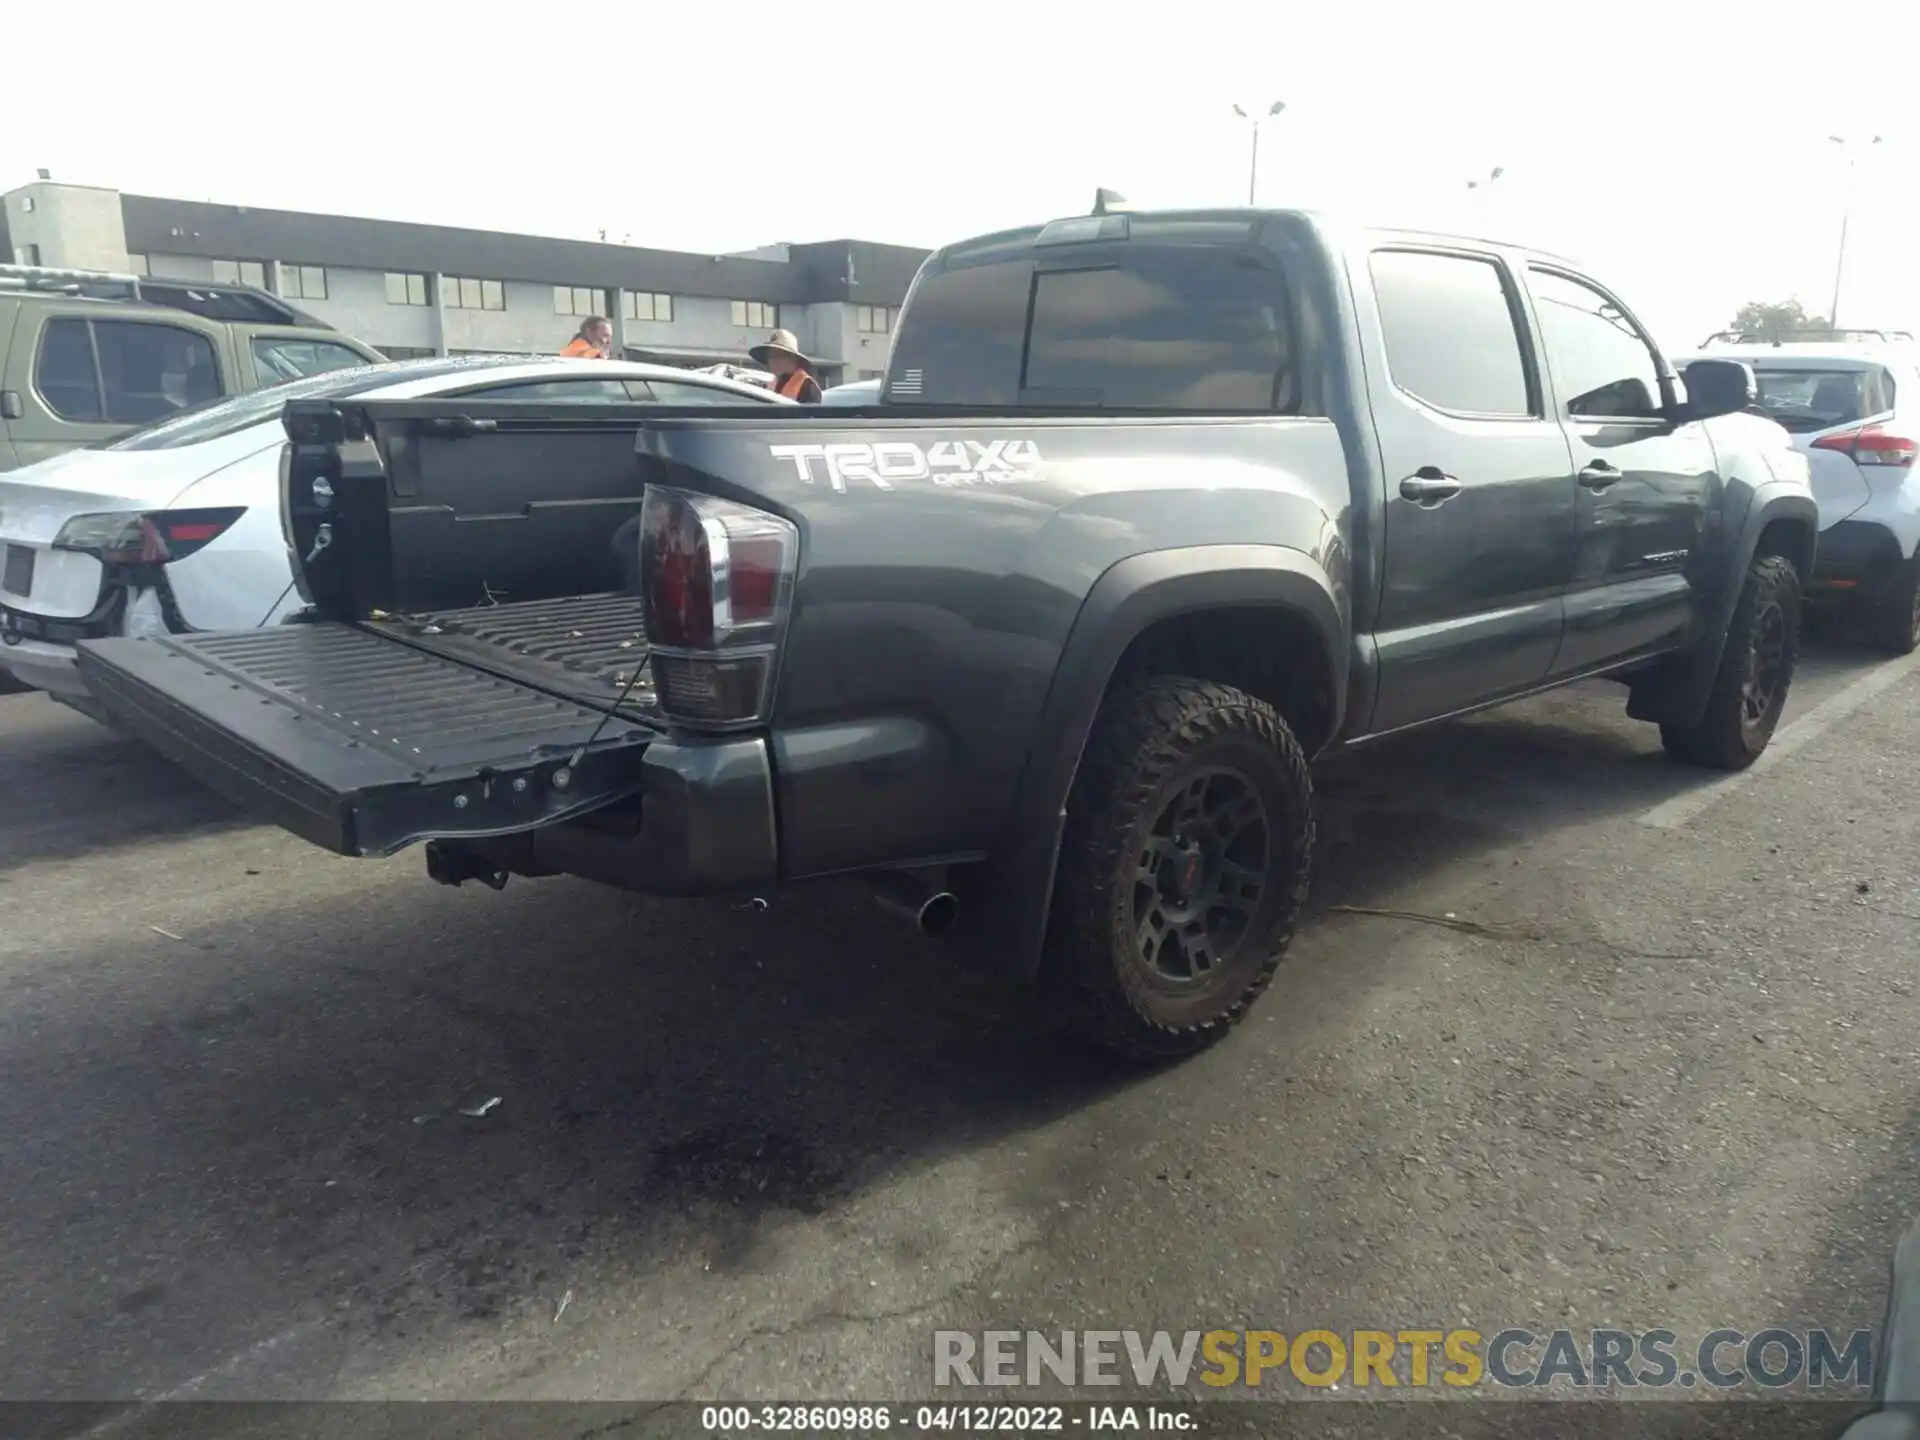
(1872, 446)
(717, 578)
(153, 538)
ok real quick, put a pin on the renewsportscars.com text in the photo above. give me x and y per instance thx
(1772, 1359)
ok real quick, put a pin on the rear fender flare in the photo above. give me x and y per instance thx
(1129, 597)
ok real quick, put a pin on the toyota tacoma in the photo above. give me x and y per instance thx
(1153, 510)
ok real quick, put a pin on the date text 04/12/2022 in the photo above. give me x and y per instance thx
(943, 1418)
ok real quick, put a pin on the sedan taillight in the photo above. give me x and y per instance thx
(153, 537)
(1871, 446)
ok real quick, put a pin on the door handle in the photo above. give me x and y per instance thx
(1599, 475)
(1429, 485)
(10, 406)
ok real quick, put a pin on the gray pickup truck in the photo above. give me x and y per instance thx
(1154, 509)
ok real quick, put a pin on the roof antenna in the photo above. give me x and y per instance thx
(1108, 202)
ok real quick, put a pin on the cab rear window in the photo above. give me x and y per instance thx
(1199, 330)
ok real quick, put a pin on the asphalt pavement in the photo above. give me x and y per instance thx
(1631, 1046)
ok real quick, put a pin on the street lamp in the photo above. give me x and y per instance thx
(1253, 168)
(1846, 214)
(1483, 185)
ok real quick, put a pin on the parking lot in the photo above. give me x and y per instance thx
(1635, 1048)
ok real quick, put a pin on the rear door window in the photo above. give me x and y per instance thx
(148, 371)
(1450, 334)
(1805, 400)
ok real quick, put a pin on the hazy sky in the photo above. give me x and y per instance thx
(1680, 150)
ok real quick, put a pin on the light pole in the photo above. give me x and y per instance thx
(1846, 214)
(1484, 184)
(1253, 168)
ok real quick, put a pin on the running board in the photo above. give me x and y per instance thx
(361, 744)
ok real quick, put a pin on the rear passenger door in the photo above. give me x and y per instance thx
(90, 378)
(1644, 485)
(1479, 506)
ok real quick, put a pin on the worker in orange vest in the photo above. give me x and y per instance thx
(792, 371)
(594, 342)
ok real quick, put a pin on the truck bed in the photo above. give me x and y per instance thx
(589, 648)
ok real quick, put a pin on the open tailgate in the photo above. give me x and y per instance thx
(359, 742)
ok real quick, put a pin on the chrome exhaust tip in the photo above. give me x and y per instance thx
(931, 910)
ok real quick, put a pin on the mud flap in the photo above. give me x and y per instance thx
(360, 743)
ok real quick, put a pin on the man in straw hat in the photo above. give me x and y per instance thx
(792, 371)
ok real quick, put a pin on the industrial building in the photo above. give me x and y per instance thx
(410, 289)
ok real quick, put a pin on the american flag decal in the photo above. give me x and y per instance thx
(908, 382)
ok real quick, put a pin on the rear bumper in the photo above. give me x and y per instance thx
(40, 666)
(703, 825)
(1855, 555)
(38, 650)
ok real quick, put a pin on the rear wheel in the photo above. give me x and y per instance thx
(1756, 669)
(1183, 868)
(1896, 619)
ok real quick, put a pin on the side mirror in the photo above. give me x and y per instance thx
(1719, 387)
(1627, 399)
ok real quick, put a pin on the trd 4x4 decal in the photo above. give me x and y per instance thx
(945, 462)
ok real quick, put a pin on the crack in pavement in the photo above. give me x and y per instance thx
(820, 1319)
(624, 1423)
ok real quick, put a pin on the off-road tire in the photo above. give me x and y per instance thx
(1727, 738)
(1895, 621)
(1153, 741)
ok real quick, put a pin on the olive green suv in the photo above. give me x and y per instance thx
(86, 356)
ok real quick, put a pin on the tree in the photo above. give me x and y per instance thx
(1761, 317)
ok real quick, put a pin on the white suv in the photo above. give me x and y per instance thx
(1854, 409)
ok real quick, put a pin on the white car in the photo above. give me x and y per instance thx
(1853, 408)
(176, 527)
(854, 392)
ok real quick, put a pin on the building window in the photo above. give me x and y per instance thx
(756, 314)
(303, 282)
(138, 265)
(406, 352)
(26, 254)
(576, 300)
(872, 374)
(240, 272)
(644, 305)
(406, 289)
(463, 292)
(873, 319)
